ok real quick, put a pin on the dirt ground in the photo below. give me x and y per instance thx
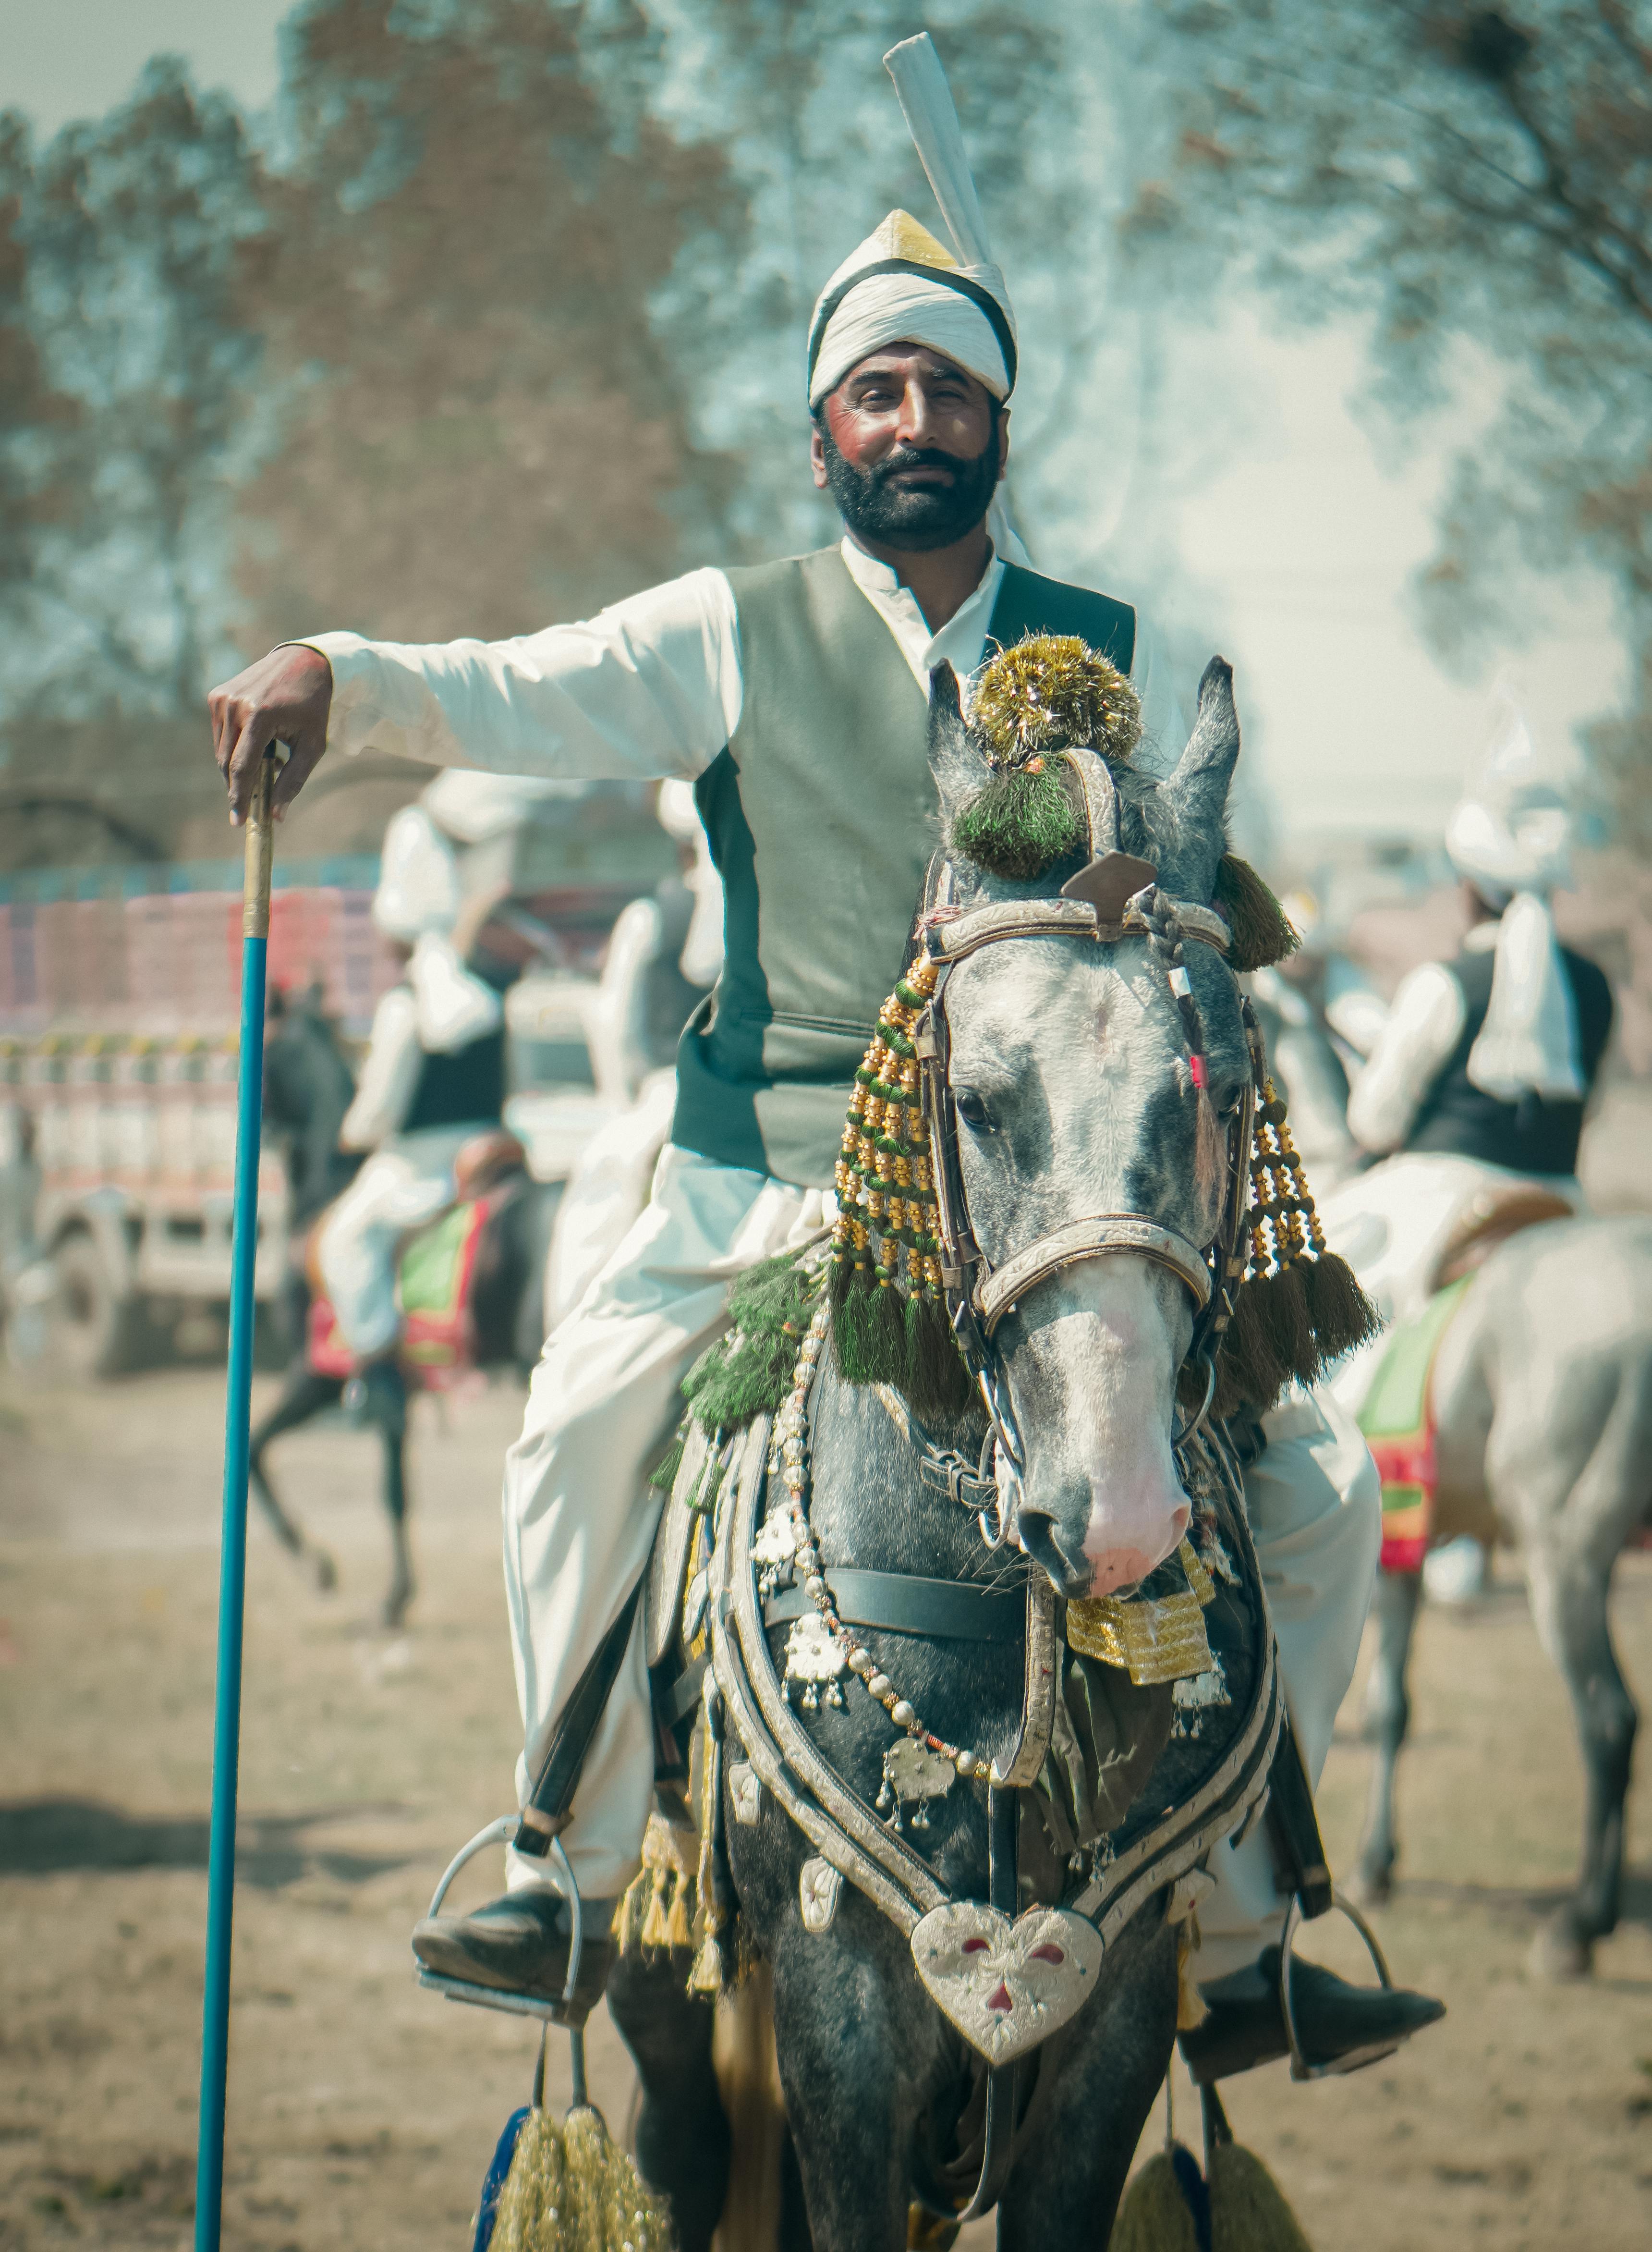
(362, 2111)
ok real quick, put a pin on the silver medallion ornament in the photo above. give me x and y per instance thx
(1195, 1695)
(772, 1551)
(913, 1774)
(815, 1658)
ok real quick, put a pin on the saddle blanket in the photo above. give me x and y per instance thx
(1397, 1419)
(433, 1285)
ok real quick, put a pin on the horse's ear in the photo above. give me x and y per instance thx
(1195, 795)
(957, 762)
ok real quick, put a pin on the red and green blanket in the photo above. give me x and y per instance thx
(1397, 1419)
(434, 1275)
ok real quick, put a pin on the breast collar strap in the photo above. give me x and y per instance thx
(978, 1296)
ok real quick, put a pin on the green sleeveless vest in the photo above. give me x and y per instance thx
(822, 818)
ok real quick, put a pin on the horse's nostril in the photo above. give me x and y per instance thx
(1043, 1543)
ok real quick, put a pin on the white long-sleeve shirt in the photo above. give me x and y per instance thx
(1423, 1027)
(651, 687)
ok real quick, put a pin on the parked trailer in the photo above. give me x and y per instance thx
(119, 1010)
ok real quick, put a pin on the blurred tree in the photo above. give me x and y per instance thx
(122, 376)
(479, 430)
(395, 373)
(1469, 175)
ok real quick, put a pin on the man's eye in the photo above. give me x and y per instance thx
(973, 1111)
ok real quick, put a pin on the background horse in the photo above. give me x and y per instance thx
(1541, 1397)
(498, 1324)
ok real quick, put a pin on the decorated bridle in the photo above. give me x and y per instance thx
(978, 1295)
(906, 1187)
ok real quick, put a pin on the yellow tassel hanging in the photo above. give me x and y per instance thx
(1191, 2008)
(658, 1909)
(571, 2189)
(679, 1929)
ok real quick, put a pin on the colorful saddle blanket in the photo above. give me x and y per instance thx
(435, 1274)
(1397, 1421)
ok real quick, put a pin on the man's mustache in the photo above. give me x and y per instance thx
(916, 457)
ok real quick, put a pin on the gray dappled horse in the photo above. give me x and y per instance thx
(1070, 1073)
(1543, 1390)
(1542, 1397)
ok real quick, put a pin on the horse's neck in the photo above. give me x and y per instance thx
(869, 1505)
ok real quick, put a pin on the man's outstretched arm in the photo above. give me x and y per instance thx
(651, 688)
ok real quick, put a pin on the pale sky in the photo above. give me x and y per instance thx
(1303, 550)
(65, 58)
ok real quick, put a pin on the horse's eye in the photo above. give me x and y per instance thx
(973, 1111)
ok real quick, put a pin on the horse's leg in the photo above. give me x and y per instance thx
(1065, 2189)
(306, 1395)
(402, 1576)
(847, 2070)
(1569, 1597)
(1387, 1718)
(683, 2142)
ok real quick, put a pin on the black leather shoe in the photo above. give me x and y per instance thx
(519, 1945)
(1339, 2027)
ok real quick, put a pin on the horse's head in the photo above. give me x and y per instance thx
(1078, 1096)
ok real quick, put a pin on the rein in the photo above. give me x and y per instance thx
(1097, 907)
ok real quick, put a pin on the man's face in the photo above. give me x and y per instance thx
(908, 449)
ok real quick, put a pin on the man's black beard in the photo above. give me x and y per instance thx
(921, 517)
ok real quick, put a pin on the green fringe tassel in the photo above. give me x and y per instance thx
(1262, 931)
(663, 1475)
(1249, 2211)
(882, 1338)
(571, 2189)
(1022, 823)
(1289, 1326)
(749, 1371)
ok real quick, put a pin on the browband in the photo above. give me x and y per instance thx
(953, 937)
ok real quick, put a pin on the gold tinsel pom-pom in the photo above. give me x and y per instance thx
(1051, 692)
(571, 2189)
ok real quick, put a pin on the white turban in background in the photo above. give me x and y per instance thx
(417, 878)
(1511, 837)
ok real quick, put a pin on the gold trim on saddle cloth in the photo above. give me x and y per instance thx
(1155, 1638)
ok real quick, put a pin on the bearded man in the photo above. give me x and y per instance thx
(795, 696)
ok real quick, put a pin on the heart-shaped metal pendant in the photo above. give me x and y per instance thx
(1006, 1986)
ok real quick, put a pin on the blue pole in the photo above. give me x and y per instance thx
(232, 1586)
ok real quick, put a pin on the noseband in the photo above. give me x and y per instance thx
(1095, 909)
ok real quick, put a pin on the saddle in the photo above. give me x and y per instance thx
(435, 1270)
(1499, 1211)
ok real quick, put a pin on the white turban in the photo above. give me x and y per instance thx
(1511, 837)
(901, 287)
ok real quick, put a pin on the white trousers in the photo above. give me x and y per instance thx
(579, 1519)
(404, 1185)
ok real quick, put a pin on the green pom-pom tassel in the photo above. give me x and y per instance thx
(1155, 2216)
(1249, 2211)
(1023, 822)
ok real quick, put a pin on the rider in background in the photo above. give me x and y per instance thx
(309, 1086)
(1480, 1077)
(434, 1076)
